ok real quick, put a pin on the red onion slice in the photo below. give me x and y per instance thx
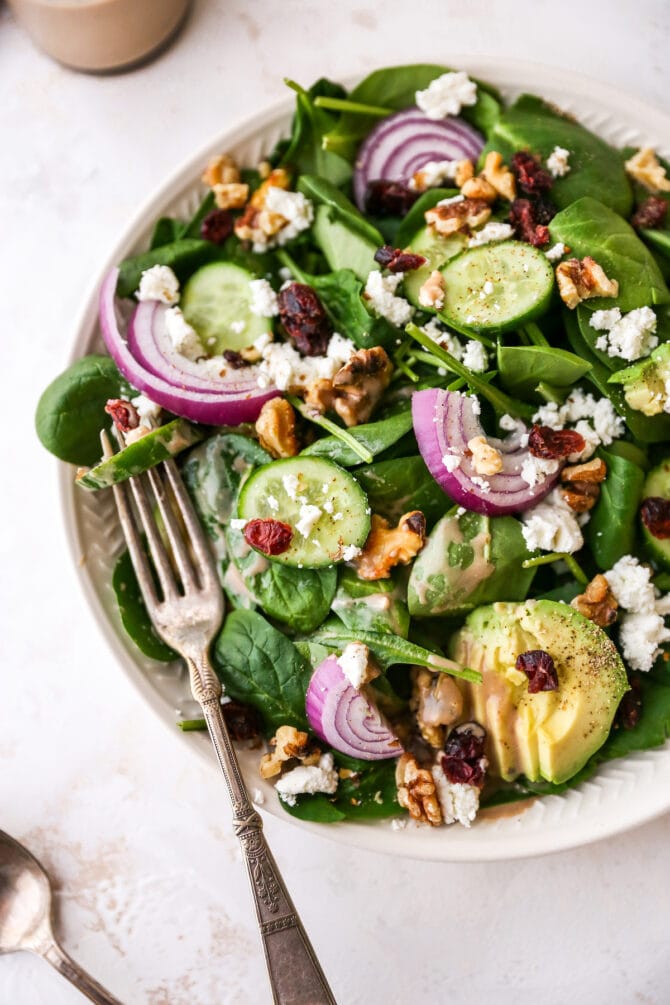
(444, 422)
(403, 143)
(226, 401)
(343, 717)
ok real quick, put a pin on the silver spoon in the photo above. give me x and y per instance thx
(26, 916)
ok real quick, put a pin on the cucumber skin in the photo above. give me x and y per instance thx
(158, 445)
(657, 484)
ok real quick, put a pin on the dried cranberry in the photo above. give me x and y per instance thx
(217, 226)
(243, 721)
(630, 708)
(389, 198)
(396, 260)
(234, 360)
(530, 175)
(655, 513)
(553, 444)
(529, 219)
(124, 415)
(539, 668)
(463, 758)
(304, 319)
(272, 537)
(650, 213)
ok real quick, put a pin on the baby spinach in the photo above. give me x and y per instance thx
(368, 795)
(590, 228)
(134, 617)
(258, 664)
(596, 169)
(523, 368)
(192, 228)
(71, 411)
(305, 150)
(393, 487)
(324, 193)
(372, 606)
(611, 530)
(166, 230)
(374, 436)
(183, 256)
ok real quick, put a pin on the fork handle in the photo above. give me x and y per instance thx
(296, 977)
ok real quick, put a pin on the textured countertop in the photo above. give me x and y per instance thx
(151, 893)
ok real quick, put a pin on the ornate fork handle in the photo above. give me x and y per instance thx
(295, 975)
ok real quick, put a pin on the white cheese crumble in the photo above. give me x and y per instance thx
(443, 337)
(273, 503)
(459, 803)
(475, 357)
(627, 336)
(433, 174)
(349, 551)
(482, 483)
(446, 95)
(557, 162)
(642, 628)
(263, 299)
(451, 200)
(631, 584)
(451, 462)
(283, 366)
(290, 483)
(237, 327)
(297, 210)
(380, 292)
(603, 426)
(307, 779)
(555, 252)
(551, 525)
(309, 517)
(159, 283)
(492, 231)
(182, 335)
(354, 663)
(536, 470)
(147, 410)
(237, 523)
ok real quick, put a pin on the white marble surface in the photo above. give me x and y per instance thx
(151, 894)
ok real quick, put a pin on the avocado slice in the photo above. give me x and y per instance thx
(645, 383)
(550, 734)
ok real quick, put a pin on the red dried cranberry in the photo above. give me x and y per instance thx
(630, 708)
(217, 226)
(234, 360)
(272, 537)
(650, 213)
(463, 758)
(530, 175)
(124, 415)
(525, 216)
(304, 319)
(553, 444)
(243, 721)
(396, 260)
(539, 668)
(655, 513)
(389, 198)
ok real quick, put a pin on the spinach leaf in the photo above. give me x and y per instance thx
(183, 256)
(523, 368)
(596, 169)
(371, 606)
(611, 530)
(71, 411)
(393, 487)
(659, 239)
(369, 795)
(134, 617)
(192, 228)
(166, 230)
(305, 149)
(374, 436)
(257, 664)
(590, 228)
(322, 192)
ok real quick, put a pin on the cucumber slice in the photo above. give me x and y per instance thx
(657, 484)
(216, 299)
(156, 446)
(436, 250)
(297, 482)
(521, 283)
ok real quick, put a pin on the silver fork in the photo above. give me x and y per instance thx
(187, 612)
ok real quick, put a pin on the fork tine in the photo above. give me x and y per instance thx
(207, 568)
(135, 548)
(173, 530)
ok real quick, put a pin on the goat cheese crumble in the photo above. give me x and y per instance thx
(283, 366)
(433, 174)
(627, 336)
(451, 462)
(309, 516)
(475, 357)
(446, 95)
(642, 628)
(307, 779)
(459, 802)
(536, 470)
(263, 299)
(557, 162)
(354, 663)
(596, 420)
(490, 232)
(182, 335)
(556, 251)
(147, 410)
(159, 283)
(349, 551)
(380, 291)
(296, 209)
(551, 525)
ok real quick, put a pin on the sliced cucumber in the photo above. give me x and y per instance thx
(497, 287)
(657, 484)
(156, 446)
(217, 302)
(436, 250)
(283, 489)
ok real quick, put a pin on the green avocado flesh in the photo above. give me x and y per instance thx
(550, 734)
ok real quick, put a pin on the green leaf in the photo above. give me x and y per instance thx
(372, 606)
(192, 228)
(183, 256)
(523, 368)
(134, 617)
(305, 149)
(324, 193)
(257, 664)
(611, 530)
(396, 486)
(374, 436)
(370, 795)
(166, 230)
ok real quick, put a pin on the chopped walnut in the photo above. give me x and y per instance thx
(431, 293)
(275, 426)
(257, 223)
(464, 170)
(388, 546)
(290, 744)
(479, 188)
(231, 195)
(416, 791)
(644, 167)
(580, 280)
(221, 170)
(320, 395)
(499, 175)
(455, 217)
(582, 484)
(438, 703)
(360, 383)
(486, 460)
(597, 602)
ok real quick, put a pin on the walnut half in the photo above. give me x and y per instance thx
(290, 744)
(582, 279)
(597, 602)
(416, 791)
(275, 426)
(581, 484)
(388, 546)
(355, 389)
(459, 216)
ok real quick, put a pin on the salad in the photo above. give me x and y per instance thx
(415, 367)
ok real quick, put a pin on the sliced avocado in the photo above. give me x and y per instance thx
(645, 383)
(657, 485)
(550, 734)
(343, 246)
(469, 559)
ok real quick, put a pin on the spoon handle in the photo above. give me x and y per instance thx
(72, 972)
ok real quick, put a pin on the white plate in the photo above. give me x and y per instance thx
(623, 793)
